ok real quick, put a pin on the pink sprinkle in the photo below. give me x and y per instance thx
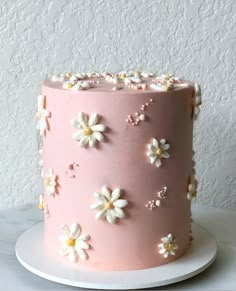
(70, 167)
(136, 113)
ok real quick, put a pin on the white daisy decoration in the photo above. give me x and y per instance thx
(89, 132)
(42, 115)
(157, 150)
(74, 244)
(197, 101)
(109, 205)
(192, 189)
(168, 246)
(50, 182)
(43, 206)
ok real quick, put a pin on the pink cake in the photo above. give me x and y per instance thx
(118, 168)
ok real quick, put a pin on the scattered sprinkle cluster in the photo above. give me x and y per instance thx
(139, 117)
(151, 204)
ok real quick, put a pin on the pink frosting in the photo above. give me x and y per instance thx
(121, 161)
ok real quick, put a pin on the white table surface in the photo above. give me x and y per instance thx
(220, 276)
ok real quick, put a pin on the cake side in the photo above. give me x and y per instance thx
(154, 186)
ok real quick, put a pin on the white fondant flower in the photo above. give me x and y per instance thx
(192, 189)
(42, 115)
(81, 85)
(74, 244)
(88, 130)
(168, 246)
(41, 161)
(197, 101)
(50, 182)
(157, 150)
(109, 205)
(43, 206)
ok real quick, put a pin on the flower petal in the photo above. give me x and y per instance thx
(158, 163)
(152, 148)
(75, 230)
(92, 141)
(82, 245)
(82, 119)
(98, 127)
(93, 119)
(166, 255)
(151, 154)
(162, 141)
(83, 142)
(162, 251)
(100, 197)
(196, 110)
(75, 123)
(165, 146)
(120, 203)
(115, 194)
(153, 159)
(50, 172)
(165, 155)
(65, 229)
(111, 218)
(40, 102)
(73, 255)
(119, 212)
(65, 251)
(198, 100)
(83, 237)
(78, 135)
(82, 254)
(97, 205)
(98, 136)
(106, 192)
(101, 214)
(191, 188)
(155, 142)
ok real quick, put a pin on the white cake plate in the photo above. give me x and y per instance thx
(30, 253)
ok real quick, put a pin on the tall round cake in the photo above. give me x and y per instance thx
(118, 168)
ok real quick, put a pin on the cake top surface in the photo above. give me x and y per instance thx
(129, 81)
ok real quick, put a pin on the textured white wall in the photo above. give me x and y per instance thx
(194, 39)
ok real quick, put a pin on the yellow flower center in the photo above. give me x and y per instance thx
(39, 114)
(194, 194)
(41, 206)
(122, 76)
(109, 205)
(70, 242)
(167, 76)
(47, 181)
(69, 85)
(170, 247)
(159, 152)
(87, 131)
